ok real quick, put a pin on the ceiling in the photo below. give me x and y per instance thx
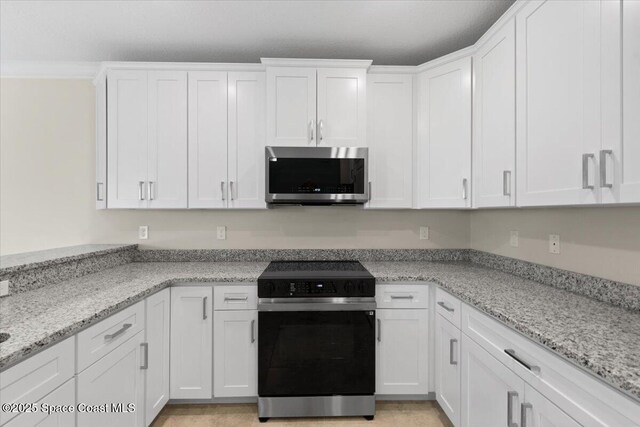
(389, 32)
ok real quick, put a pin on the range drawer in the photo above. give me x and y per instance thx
(34, 378)
(402, 295)
(235, 297)
(448, 307)
(101, 338)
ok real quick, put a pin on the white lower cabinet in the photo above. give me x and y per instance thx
(156, 358)
(538, 411)
(402, 351)
(116, 379)
(235, 353)
(447, 370)
(64, 395)
(191, 342)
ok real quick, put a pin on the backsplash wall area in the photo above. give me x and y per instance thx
(47, 134)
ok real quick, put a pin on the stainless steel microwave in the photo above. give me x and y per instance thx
(316, 175)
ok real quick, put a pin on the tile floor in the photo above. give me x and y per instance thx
(405, 414)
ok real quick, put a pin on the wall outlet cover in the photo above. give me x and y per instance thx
(222, 232)
(143, 232)
(4, 288)
(513, 240)
(424, 233)
(554, 243)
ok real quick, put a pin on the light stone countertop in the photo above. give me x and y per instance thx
(599, 337)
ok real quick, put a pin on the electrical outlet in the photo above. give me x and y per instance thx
(222, 232)
(143, 232)
(424, 233)
(513, 241)
(4, 288)
(554, 243)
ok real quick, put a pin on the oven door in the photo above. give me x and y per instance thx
(316, 353)
(316, 175)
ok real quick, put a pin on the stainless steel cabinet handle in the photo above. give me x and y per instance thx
(370, 190)
(585, 170)
(533, 368)
(506, 183)
(446, 307)
(99, 196)
(236, 298)
(145, 363)
(321, 130)
(140, 190)
(464, 188)
(231, 190)
(311, 130)
(379, 330)
(603, 168)
(222, 189)
(523, 413)
(150, 190)
(253, 333)
(118, 332)
(510, 396)
(452, 343)
(401, 296)
(204, 308)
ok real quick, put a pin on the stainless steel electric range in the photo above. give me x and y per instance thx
(316, 340)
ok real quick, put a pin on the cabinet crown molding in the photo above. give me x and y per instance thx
(316, 63)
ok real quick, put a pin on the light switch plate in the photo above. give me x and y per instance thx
(554, 243)
(143, 232)
(222, 232)
(513, 240)
(424, 233)
(4, 288)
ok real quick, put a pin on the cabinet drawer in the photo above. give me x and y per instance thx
(412, 295)
(31, 380)
(448, 307)
(235, 297)
(101, 338)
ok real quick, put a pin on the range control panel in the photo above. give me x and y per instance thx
(315, 288)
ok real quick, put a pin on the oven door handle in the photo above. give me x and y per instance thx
(301, 306)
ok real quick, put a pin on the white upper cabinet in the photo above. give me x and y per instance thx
(559, 110)
(246, 139)
(444, 136)
(342, 107)
(390, 140)
(291, 106)
(207, 139)
(127, 133)
(494, 132)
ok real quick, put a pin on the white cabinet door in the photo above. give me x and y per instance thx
(490, 391)
(342, 107)
(558, 102)
(235, 358)
(390, 141)
(291, 106)
(402, 351)
(538, 411)
(448, 368)
(101, 143)
(207, 139)
(444, 136)
(167, 172)
(191, 337)
(246, 140)
(117, 378)
(494, 109)
(63, 395)
(158, 311)
(127, 138)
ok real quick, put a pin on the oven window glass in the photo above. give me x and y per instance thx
(316, 353)
(316, 176)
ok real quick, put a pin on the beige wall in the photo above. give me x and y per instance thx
(47, 189)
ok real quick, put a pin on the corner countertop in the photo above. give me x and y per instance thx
(602, 338)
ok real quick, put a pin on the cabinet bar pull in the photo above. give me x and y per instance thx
(321, 130)
(506, 183)
(253, 334)
(204, 308)
(510, 396)
(311, 130)
(533, 368)
(150, 190)
(145, 363)
(464, 188)
(603, 168)
(236, 298)
(379, 330)
(118, 332)
(585, 170)
(140, 190)
(401, 296)
(231, 190)
(452, 343)
(523, 413)
(222, 189)
(99, 196)
(446, 307)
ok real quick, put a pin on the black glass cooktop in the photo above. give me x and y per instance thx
(315, 269)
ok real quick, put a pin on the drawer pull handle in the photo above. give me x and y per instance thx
(452, 343)
(510, 396)
(401, 296)
(446, 307)
(379, 330)
(236, 298)
(523, 413)
(118, 332)
(533, 368)
(204, 308)
(253, 331)
(145, 363)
